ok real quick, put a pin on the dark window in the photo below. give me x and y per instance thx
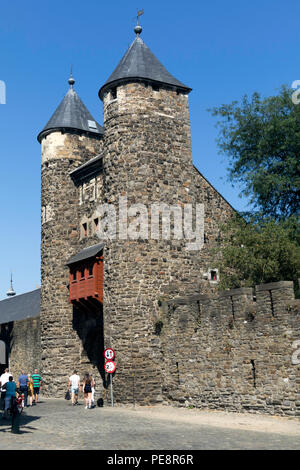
(82, 272)
(84, 226)
(91, 269)
(155, 88)
(213, 275)
(114, 93)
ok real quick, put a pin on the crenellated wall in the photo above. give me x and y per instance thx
(232, 352)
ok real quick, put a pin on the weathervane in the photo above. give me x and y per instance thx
(139, 13)
(138, 28)
(71, 79)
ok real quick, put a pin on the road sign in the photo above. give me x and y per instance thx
(110, 367)
(109, 354)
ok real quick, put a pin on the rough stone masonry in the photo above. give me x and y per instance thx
(176, 339)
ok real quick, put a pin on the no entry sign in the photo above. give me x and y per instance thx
(109, 354)
(110, 367)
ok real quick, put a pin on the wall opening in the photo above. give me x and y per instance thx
(253, 372)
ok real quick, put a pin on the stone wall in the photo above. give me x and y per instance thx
(22, 339)
(229, 352)
(64, 330)
(148, 160)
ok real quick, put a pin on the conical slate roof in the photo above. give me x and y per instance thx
(140, 63)
(71, 114)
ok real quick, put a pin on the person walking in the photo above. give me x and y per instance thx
(22, 386)
(74, 384)
(87, 390)
(10, 388)
(3, 379)
(37, 382)
(93, 392)
(30, 389)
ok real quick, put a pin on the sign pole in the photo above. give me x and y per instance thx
(111, 390)
(110, 368)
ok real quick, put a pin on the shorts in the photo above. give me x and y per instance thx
(36, 390)
(87, 389)
(74, 390)
(7, 402)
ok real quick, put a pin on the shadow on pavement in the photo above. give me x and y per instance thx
(5, 424)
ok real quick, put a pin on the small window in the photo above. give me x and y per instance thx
(73, 275)
(155, 88)
(96, 222)
(82, 272)
(113, 93)
(213, 275)
(91, 269)
(84, 229)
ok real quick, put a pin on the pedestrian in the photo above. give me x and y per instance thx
(10, 388)
(22, 386)
(30, 389)
(74, 384)
(3, 379)
(87, 390)
(93, 392)
(37, 383)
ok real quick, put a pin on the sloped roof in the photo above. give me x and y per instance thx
(140, 63)
(86, 253)
(88, 170)
(20, 307)
(71, 114)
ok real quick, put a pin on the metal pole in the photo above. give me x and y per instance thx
(111, 390)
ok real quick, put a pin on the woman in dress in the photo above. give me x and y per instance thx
(88, 383)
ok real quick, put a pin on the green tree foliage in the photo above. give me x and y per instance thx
(261, 138)
(259, 251)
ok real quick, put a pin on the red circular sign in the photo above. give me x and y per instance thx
(110, 367)
(109, 354)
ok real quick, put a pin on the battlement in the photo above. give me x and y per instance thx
(236, 350)
(265, 301)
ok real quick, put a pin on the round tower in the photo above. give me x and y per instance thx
(70, 138)
(148, 160)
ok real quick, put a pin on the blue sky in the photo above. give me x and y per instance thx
(222, 50)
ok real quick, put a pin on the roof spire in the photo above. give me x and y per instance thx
(11, 292)
(71, 80)
(138, 28)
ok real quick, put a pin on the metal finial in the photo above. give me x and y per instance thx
(138, 28)
(71, 80)
(11, 292)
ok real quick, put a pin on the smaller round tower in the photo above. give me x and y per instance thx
(70, 138)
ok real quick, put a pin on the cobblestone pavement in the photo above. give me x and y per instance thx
(55, 424)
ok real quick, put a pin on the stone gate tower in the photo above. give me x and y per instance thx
(69, 139)
(148, 160)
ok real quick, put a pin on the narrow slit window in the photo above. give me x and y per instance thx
(91, 270)
(114, 93)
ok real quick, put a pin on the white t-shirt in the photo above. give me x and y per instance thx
(74, 379)
(3, 379)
